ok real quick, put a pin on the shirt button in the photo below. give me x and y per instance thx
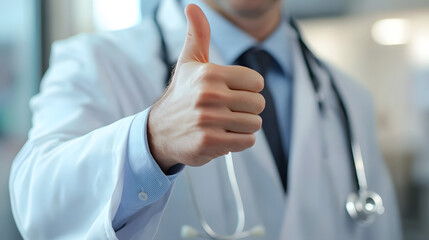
(143, 196)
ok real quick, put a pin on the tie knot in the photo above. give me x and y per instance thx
(257, 59)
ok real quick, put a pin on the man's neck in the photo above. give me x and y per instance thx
(258, 27)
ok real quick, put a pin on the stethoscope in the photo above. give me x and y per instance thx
(363, 206)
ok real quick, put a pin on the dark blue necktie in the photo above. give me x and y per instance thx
(261, 61)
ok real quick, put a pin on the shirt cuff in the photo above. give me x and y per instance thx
(144, 181)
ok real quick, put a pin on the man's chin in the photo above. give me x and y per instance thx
(256, 8)
(251, 13)
(250, 9)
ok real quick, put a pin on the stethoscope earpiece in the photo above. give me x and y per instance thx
(364, 206)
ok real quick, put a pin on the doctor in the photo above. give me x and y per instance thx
(106, 155)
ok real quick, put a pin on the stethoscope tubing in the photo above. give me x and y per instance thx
(239, 232)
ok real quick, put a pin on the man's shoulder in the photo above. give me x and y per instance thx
(356, 97)
(135, 43)
(352, 90)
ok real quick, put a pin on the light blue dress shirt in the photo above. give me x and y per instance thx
(144, 181)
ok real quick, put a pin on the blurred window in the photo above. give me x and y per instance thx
(19, 63)
(116, 14)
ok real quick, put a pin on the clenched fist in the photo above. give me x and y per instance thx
(208, 110)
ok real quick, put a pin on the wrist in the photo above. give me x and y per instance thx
(158, 147)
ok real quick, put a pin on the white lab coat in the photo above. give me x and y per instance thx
(66, 182)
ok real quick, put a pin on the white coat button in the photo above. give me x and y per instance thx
(143, 196)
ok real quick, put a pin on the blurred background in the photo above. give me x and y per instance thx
(384, 44)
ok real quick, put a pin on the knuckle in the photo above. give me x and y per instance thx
(207, 140)
(204, 117)
(208, 72)
(212, 95)
(201, 147)
(209, 144)
(207, 96)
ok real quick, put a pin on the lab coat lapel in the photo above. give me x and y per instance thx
(307, 184)
(305, 145)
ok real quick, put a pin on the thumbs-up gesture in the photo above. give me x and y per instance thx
(208, 110)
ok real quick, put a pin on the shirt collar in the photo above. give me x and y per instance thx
(277, 44)
(231, 41)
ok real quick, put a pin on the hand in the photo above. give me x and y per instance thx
(208, 110)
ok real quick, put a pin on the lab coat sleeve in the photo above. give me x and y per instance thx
(144, 181)
(67, 180)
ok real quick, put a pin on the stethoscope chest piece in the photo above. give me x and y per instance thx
(364, 206)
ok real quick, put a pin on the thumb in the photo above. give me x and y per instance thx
(198, 37)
